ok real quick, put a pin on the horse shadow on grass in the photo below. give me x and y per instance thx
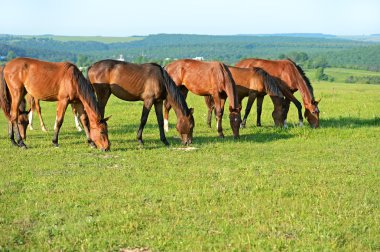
(257, 137)
(349, 122)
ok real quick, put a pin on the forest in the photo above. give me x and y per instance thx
(311, 51)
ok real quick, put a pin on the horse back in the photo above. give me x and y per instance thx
(126, 80)
(201, 78)
(281, 69)
(43, 80)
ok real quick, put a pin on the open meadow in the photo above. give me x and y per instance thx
(273, 189)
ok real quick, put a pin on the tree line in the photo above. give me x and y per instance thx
(309, 52)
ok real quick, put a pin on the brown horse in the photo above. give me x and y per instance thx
(207, 79)
(147, 82)
(292, 76)
(256, 83)
(22, 119)
(62, 82)
(35, 106)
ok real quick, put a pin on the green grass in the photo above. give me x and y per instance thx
(341, 74)
(87, 38)
(294, 189)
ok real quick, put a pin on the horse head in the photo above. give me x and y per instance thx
(312, 113)
(23, 122)
(99, 134)
(279, 110)
(235, 121)
(185, 126)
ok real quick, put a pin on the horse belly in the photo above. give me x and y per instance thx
(44, 93)
(125, 94)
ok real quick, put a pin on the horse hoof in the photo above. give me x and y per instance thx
(141, 142)
(92, 144)
(166, 142)
(221, 136)
(56, 145)
(22, 145)
(242, 126)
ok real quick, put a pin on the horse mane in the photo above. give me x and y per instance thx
(5, 102)
(226, 77)
(304, 77)
(174, 91)
(85, 89)
(270, 83)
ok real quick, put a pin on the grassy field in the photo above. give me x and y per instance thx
(294, 189)
(341, 74)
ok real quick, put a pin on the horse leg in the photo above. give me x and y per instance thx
(260, 99)
(144, 117)
(160, 120)
(286, 110)
(166, 108)
(251, 100)
(38, 108)
(299, 108)
(32, 105)
(82, 115)
(16, 100)
(219, 109)
(61, 109)
(103, 94)
(210, 106)
(76, 117)
(11, 134)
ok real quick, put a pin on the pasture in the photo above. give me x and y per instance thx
(273, 189)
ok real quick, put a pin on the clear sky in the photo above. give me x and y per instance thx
(219, 17)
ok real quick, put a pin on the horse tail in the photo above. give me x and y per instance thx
(270, 83)
(174, 92)
(5, 101)
(231, 89)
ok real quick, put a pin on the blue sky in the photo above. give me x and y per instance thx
(219, 17)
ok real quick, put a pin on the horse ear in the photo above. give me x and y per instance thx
(28, 110)
(191, 110)
(319, 100)
(107, 118)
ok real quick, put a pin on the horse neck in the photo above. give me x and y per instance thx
(230, 89)
(306, 95)
(178, 111)
(92, 112)
(302, 86)
(87, 96)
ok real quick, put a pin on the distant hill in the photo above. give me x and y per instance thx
(361, 52)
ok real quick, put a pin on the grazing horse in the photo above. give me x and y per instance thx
(146, 82)
(22, 119)
(207, 79)
(292, 76)
(61, 82)
(35, 106)
(256, 83)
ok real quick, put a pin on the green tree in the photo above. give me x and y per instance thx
(320, 74)
(11, 55)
